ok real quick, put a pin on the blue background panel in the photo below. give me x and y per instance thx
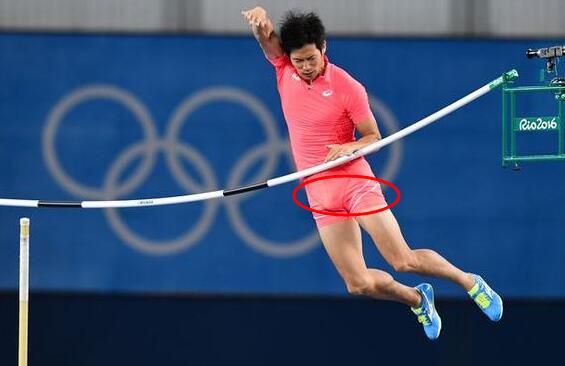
(117, 117)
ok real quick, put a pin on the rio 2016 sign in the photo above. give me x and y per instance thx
(537, 124)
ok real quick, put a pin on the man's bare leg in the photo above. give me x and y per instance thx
(342, 241)
(385, 232)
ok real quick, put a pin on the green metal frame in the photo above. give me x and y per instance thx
(510, 123)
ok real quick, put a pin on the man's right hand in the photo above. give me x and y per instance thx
(264, 31)
(260, 23)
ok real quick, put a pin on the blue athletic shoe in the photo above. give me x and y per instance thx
(427, 314)
(487, 300)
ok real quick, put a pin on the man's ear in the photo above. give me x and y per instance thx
(324, 46)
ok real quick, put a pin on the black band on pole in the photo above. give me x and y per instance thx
(252, 187)
(59, 204)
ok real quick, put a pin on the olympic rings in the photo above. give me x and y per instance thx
(174, 149)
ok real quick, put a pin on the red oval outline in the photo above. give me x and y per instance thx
(353, 214)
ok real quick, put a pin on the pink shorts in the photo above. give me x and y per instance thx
(344, 195)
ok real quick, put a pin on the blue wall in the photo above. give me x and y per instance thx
(78, 113)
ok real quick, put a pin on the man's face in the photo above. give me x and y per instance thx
(308, 61)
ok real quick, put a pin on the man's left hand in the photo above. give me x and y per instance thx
(337, 151)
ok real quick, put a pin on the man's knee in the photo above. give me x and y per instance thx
(407, 262)
(361, 284)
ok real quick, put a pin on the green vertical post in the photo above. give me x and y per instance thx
(512, 116)
(504, 116)
(561, 129)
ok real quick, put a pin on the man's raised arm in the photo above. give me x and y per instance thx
(264, 32)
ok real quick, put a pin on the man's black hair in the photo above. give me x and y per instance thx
(299, 29)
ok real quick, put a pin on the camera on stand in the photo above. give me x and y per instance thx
(551, 56)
